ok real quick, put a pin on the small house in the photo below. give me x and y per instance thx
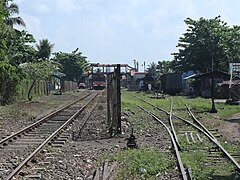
(204, 86)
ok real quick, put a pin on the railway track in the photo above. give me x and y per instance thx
(21, 147)
(190, 138)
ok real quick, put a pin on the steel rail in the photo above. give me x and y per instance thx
(180, 163)
(20, 166)
(172, 127)
(198, 122)
(40, 121)
(217, 142)
(201, 130)
(84, 123)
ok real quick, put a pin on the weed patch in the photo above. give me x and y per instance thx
(141, 163)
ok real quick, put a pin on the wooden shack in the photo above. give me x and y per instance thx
(204, 88)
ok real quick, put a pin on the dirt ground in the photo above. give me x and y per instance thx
(23, 113)
(18, 115)
(231, 129)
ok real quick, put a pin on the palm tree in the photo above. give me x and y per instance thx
(12, 8)
(152, 69)
(44, 49)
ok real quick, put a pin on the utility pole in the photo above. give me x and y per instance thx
(213, 110)
(137, 66)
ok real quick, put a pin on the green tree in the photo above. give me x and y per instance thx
(44, 49)
(152, 69)
(38, 71)
(12, 9)
(73, 65)
(3, 30)
(9, 78)
(164, 67)
(207, 44)
(19, 48)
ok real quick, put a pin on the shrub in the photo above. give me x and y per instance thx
(9, 80)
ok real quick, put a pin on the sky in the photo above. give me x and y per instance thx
(119, 31)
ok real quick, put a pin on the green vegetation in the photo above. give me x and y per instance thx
(204, 41)
(200, 106)
(9, 78)
(141, 163)
(51, 149)
(17, 51)
(11, 9)
(38, 71)
(44, 49)
(127, 100)
(198, 160)
(30, 109)
(74, 65)
(192, 154)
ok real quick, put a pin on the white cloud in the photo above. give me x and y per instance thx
(19, 1)
(68, 5)
(42, 8)
(33, 24)
(103, 28)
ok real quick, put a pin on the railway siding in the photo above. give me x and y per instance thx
(195, 143)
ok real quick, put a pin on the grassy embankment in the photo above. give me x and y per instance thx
(134, 160)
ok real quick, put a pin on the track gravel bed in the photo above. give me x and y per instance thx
(21, 114)
(78, 159)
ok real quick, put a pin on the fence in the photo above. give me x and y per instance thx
(114, 101)
(69, 86)
(42, 88)
(39, 89)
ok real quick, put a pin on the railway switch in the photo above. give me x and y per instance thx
(131, 141)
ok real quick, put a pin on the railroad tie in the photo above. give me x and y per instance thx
(199, 138)
(191, 135)
(186, 134)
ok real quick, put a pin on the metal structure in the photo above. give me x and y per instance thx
(234, 83)
(106, 68)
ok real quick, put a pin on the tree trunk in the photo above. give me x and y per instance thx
(29, 91)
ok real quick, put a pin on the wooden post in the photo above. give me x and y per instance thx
(114, 102)
(92, 78)
(118, 80)
(108, 105)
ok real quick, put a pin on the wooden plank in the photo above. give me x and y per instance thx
(97, 175)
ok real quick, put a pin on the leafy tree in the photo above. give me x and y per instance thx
(12, 9)
(38, 71)
(44, 49)
(9, 78)
(19, 49)
(207, 44)
(152, 69)
(164, 67)
(74, 65)
(3, 32)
